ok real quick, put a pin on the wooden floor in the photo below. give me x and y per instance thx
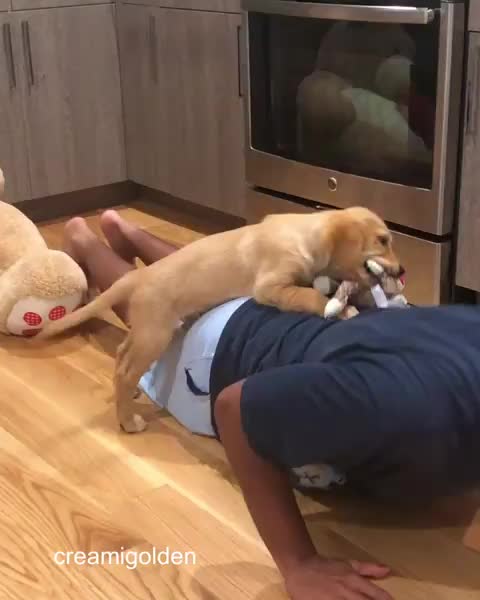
(69, 481)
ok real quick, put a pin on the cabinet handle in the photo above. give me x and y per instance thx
(239, 58)
(7, 44)
(472, 95)
(153, 45)
(27, 50)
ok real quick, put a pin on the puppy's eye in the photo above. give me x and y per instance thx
(384, 240)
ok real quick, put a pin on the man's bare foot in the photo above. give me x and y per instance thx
(77, 236)
(117, 231)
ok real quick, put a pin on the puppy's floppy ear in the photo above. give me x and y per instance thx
(346, 240)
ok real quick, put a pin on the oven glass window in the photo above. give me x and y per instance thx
(354, 97)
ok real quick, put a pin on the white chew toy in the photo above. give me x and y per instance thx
(377, 292)
(375, 268)
(378, 296)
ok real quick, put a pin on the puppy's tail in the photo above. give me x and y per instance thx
(117, 293)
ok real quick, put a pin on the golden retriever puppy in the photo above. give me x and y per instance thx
(274, 261)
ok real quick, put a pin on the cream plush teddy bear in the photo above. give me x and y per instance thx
(353, 109)
(37, 285)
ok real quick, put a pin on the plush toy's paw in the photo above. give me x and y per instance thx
(334, 308)
(348, 313)
(42, 286)
(398, 302)
(136, 424)
(29, 315)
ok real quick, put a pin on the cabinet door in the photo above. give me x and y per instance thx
(474, 16)
(198, 117)
(468, 246)
(137, 40)
(225, 6)
(72, 103)
(13, 150)
(35, 4)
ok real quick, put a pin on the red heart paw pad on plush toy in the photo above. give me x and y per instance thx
(37, 285)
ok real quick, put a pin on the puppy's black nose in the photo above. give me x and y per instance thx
(401, 271)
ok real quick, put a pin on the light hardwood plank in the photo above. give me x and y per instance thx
(41, 516)
(241, 569)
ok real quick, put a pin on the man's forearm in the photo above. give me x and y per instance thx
(266, 488)
(271, 502)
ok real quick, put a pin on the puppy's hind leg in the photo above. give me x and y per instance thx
(137, 353)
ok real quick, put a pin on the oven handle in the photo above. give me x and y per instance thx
(343, 12)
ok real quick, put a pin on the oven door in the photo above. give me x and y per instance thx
(356, 104)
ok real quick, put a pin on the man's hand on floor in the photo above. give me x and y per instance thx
(320, 579)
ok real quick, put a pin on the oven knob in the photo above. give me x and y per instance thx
(332, 184)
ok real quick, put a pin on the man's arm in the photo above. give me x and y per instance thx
(272, 504)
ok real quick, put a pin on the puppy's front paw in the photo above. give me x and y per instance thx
(135, 424)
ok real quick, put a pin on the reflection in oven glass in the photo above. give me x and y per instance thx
(349, 96)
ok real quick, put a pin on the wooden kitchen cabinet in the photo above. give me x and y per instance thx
(139, 68)
(468, 245)
(201, 129)
(474, 16)
(72, 101)
(183, 106)
(35, 4)
(233, 6)
(13, 152)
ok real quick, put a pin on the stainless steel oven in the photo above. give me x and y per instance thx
(359, 103)
(356, 104)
